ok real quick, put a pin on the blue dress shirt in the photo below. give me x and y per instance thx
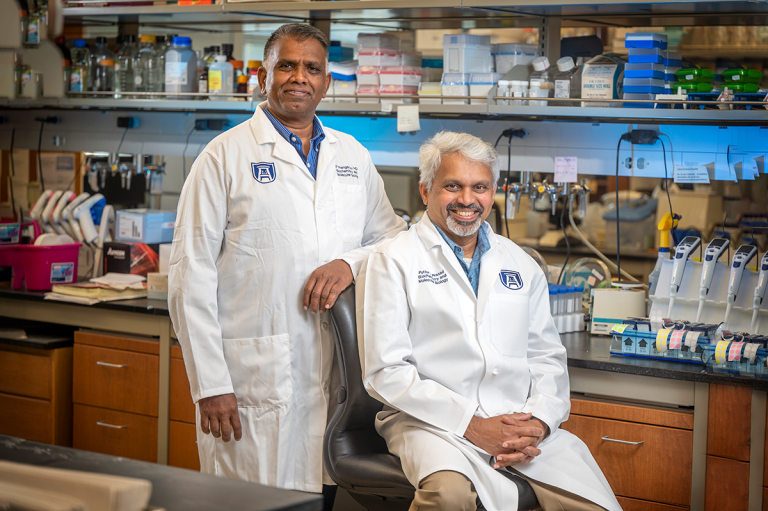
(314, 150)
(483, 245)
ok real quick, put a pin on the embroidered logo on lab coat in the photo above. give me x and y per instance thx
(511, 279)
(263, 172)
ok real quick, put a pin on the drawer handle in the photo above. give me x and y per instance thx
(623, 441)
(107, 364)
(104, 424)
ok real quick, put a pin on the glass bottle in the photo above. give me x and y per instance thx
(80, 75)
(160, 52)
(146, 72)
(104, 77)
(101, 52)
(226, 50)
(125, 61)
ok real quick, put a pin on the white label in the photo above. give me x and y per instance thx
(137, 79)
(566, 169)
(562, 89)
(689, 77)
(386, 107)
(129, 227)
(408, 118)
(510, 213)
(597, 81)
(736, 78)
(175, 73)
(597, 275)
(691, 174)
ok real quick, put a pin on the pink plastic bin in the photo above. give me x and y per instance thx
(39, 268)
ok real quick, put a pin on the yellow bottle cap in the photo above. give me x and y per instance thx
(146, 38)
(106, 62)
(242, 79)
(254, 64)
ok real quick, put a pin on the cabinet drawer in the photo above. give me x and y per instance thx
(727, 485)
(634, 470)
(182, 446)
(25, 374)
(182, 406)
(645, 505)
(116, 379)
(116, 433)
(27, 418)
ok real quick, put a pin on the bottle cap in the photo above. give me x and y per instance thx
(159, 39)
(79, 43)
(221, 58)
(129, 38)
(237, 64)
(565, 64)
(242, 79)
(540, 63)
(146, 38)
(254, 64)
(106, 62)
(182, 41)
(228, 48)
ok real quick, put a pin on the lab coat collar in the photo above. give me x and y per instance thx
(265, 133)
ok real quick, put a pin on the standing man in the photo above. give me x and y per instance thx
(457, 340)
(274, 221)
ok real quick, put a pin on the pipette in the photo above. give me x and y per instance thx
(714, 250)
(741, 259)
(762, 283)
(683, 250)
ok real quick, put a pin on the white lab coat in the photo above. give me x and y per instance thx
(436, 355)
(252, 226)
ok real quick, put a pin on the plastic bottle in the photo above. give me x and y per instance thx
(80, 74)
(567, 81)
(180, 68)
(541, 74)
(34, 27)
(502, 89)
(215, 51)
(226, 50)
(253, 82)
(220, 77)
(253, 65)
(147, 73)
(534, 91)
(125, 61)
(100, 77)
(519, 89)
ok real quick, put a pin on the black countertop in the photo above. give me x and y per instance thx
(593, 352)
(172, 488)
(140, 305)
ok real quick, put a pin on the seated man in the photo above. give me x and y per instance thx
(456, 339)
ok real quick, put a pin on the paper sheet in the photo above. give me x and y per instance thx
(408, 118)
(566, 169)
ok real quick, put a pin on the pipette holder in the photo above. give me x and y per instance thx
(687, 300)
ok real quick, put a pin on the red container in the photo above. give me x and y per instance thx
(39, 268)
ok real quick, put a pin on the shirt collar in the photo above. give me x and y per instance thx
(483, 245)
(318, 135)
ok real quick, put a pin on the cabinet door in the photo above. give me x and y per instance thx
(182, 448)
(636, 470)
(26, 418)
(644, 505)
(117, 433)
(25, 374)
(116, 379)
(727, 486)
(182, 406)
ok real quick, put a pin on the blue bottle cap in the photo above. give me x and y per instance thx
(552, 289)
(79, 43)
(182, 41)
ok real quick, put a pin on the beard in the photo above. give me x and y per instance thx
(460, 228)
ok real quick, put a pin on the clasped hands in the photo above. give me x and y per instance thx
(513, 438)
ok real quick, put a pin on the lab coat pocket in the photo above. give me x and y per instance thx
(509, 324)
(260, 369)
(350, 211)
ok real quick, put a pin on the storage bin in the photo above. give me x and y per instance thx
(670, 74)
(692, 87)
(345, 88)
(646, 55)
(399, 75)
(638, 225)
(742, 76)
(377, 41)
(749, 88)
(39, 268)
(431, 74)
(508, 55)
(673, 59)
(367, 90)
(411, 58)
(643, 86)
(643, 97)
(367, 75)
(428, 89)
(465, 53)
(394, 90)
(379, 57)
(646, 70)
(455, 84)
(645, 40)
(480, 84)
(695, 75)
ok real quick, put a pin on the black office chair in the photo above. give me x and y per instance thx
(355, 456)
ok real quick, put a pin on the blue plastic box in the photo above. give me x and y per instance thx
(645, 40)
(644, 71)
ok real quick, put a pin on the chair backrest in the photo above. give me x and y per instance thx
(350, 429)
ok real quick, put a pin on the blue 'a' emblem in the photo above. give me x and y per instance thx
(263, 172)
(511, 279)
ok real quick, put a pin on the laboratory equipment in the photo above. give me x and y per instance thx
(379, 57)
(101, 79)
(82, 214)
(104, 77)
(56, 220)
(429, 93)
(741, 259)
(145, 225)
(73, 227)
(540, 81)
(181, 69)
(600, 80)
(682, 252)
(611, 306)
(638, 222)
(454, 84)
(106, 234)
(125, 59)
(762, 283)
(36, 213)
(567, 81)
(714, 250)
(508, 55)
(480, 84)
(45, 216)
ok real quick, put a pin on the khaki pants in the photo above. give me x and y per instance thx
(451, 491)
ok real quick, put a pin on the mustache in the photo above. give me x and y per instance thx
(455, 205)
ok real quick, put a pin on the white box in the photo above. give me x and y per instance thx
(396, 90)
(399, 75)
(411, 58)
(463, 53)
(165, 257)
(427, 89)
(480, 84)
(379, 57)
(367, 90)
(157, 286)
(377, 41)
(345, 88)
(367, 75)
(145, 225)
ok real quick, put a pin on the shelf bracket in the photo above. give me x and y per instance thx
(549, 38)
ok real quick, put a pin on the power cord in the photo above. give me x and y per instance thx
(184, 155)
(666, 181)
(510, 133)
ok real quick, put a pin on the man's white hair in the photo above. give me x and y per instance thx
(468, 146)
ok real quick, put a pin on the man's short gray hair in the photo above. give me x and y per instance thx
(300, 31)
(468, 146)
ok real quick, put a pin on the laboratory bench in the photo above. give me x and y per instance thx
(172, 488)
(130, 398)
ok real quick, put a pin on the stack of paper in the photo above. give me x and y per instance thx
(110, 287)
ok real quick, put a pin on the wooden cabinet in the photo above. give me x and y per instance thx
(36, 394)
(727, 485)
(658, 438)
(644, 505)
(182, 449)
(115, 391)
